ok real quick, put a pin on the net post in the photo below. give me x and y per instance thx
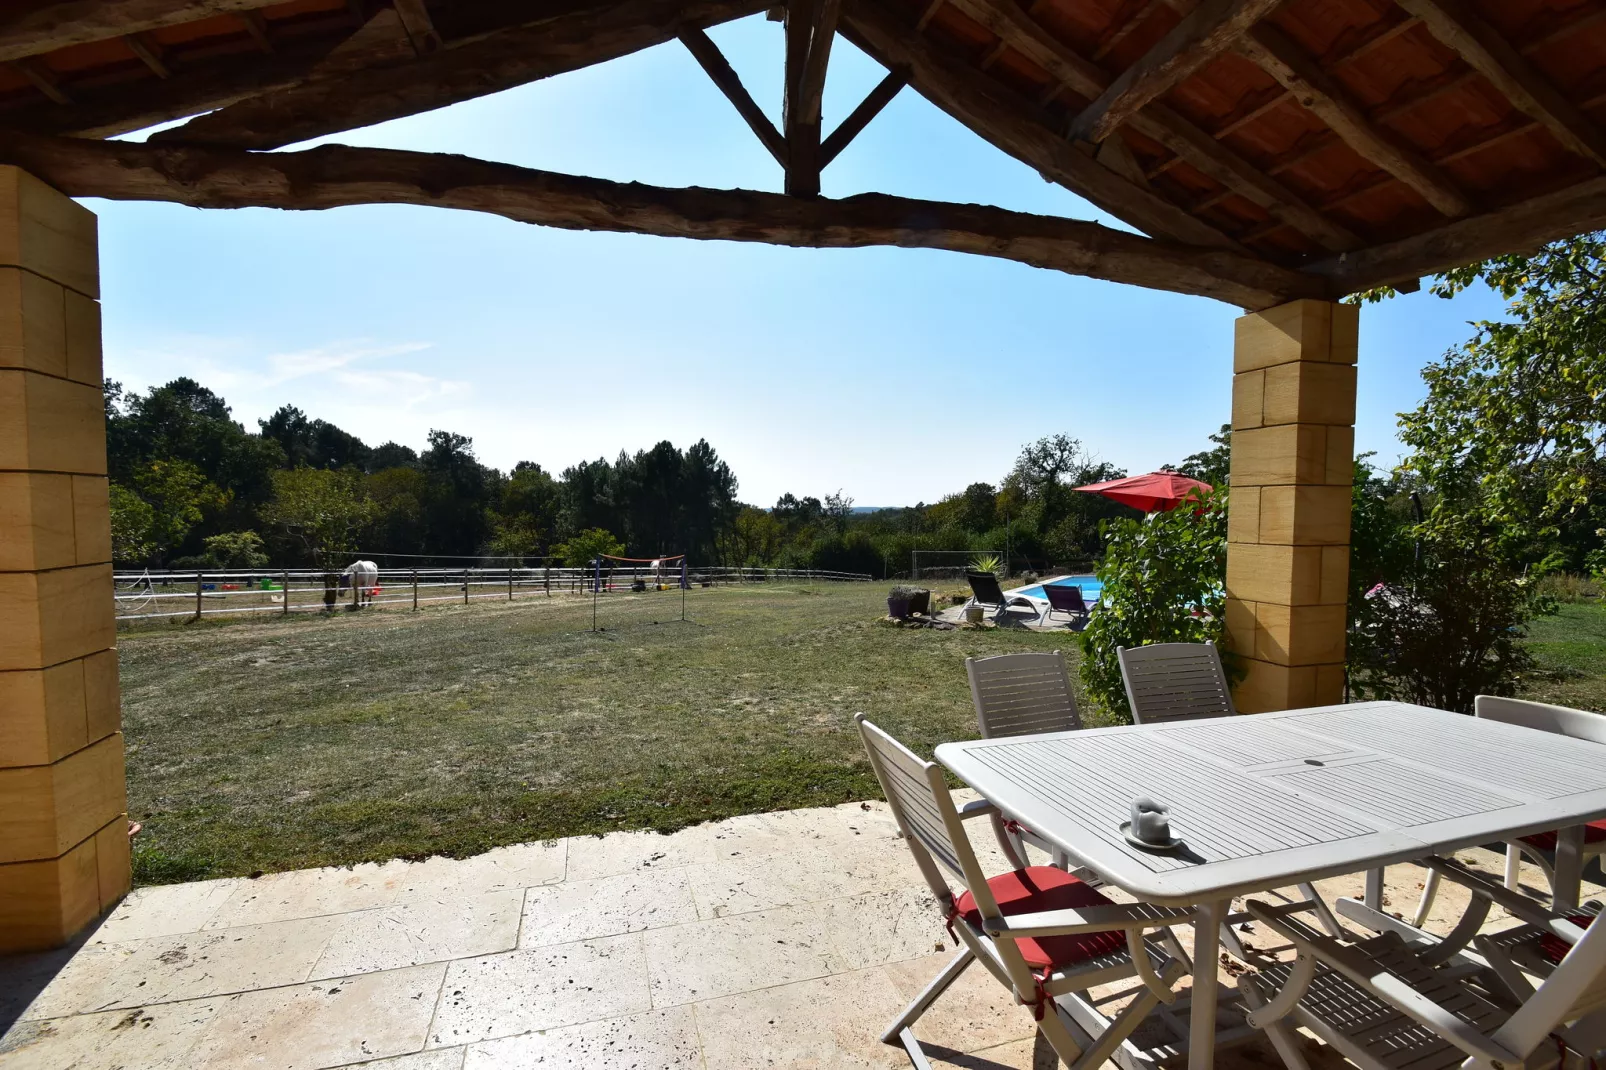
(685, 585)
(596, 589)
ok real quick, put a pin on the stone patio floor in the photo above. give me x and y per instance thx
(778, 940)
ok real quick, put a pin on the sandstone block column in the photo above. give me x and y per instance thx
(63, 830)
(1293, 453)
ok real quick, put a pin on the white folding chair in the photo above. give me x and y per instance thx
(1174, 682)
(1020, 695)
(1387, 1005)
(1540, 848)
(1045, 935)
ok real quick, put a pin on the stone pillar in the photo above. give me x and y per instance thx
(1293, 453)
(63, 831)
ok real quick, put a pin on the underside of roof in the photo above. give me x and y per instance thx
(1298, 148)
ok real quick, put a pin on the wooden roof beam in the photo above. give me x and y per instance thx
(419, 26)
(860, 117)
(334, 175)
(1518, 228)
(1487, 51)
(1159, 122)
(1016, 126)
(1317, 90)
(810, 29)
(45, 27)
(1202, 35)
(723, 75)
(459, 71)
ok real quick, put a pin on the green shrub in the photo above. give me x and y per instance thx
(1164, 578)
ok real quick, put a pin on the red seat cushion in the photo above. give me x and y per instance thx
(1046, 888)
(1594, 832)
(1555, 948)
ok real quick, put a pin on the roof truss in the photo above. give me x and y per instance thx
(1120, 117)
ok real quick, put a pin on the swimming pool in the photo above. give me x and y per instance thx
(1092, 589)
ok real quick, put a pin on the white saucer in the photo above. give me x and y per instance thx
(1169, 845)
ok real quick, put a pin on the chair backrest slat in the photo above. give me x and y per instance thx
(984, 588)
(1175, 682)
(1562, 720)
(1022, 694)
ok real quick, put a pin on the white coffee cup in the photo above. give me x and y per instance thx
(1151, 821)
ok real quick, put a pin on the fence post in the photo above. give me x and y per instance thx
(199, 577)
(546, 578)
(465, 586)
(284, 579)
(510, 583)
(415, 590)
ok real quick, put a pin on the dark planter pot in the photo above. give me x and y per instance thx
(921, 603)
(898, 606)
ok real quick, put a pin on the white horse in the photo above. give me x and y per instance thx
(364, 575)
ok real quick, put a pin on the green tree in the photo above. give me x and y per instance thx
(230, 550)
(1513, 429)
(1213, 465)
(322, 509)
(1164, 579)
(587, 546)
(133, 521)
(179, 497)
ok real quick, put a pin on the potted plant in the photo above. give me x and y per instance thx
(901, 601)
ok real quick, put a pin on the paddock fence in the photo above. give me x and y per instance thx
(192, 594)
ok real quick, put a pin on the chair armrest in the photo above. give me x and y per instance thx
(978, 808)
(1516, 904)
(1359, 968)
(1114, 917)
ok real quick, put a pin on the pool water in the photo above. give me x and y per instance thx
(1091, 588)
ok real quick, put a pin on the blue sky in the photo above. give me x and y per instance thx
(895, 375)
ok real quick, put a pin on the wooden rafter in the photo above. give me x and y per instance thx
(802, 137)
(1519, 228)
(1487, 51)
(419, 26)
(1318, 91)
(335, 175)
(257, 27)
(40, 28)
(148, 54)
(724, 76)
(1158, 121)
(860, 117)
(1125, 29)
(1016, 126)
(461, 70)
(1190, 45)
(42, 79)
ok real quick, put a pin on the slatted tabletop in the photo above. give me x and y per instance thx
(1268, 800)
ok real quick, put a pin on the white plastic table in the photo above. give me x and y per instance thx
(1272, 800)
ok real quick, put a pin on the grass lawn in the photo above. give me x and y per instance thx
(279, 744)
(1571, 648)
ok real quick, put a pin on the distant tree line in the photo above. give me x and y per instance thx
(193, 488)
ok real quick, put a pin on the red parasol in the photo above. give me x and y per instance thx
(1157, 491)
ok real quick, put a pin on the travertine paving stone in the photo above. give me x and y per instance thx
(606, 906)
(704, 959)
(661, 1040)
(541, 988)
(771, 940)
(166, 969)
(426, 930)
(324, 1023)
